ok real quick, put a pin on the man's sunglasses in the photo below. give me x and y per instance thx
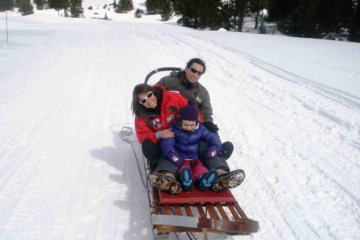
(148, 95)
(193, 70)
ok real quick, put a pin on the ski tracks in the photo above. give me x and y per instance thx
(297, 141)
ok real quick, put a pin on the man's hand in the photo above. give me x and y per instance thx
(211, 127)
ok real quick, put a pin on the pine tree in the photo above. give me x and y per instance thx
(311, 18)
(125, 6)
(40, 4)
(138, 13)
(25, 7)
(59, 4)
(294, 17)
(166, 10)
(188, 9)
(333, 16)
(199, 13)
(76, 9)
(354, 26)
(54, 3)
(153, 6)
(255, 7)
(238, 9)
(209, 14)
(6, 5)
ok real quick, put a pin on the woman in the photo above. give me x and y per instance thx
(155, 110)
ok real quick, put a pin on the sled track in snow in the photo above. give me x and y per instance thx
(334, 94)
(306, 96)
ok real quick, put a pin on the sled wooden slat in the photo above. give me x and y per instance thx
(178, 210)
(234, 213)
(187, 213)
(238, 208)
(167, 209)
(212, 212)
(222, 212)
(201, 211)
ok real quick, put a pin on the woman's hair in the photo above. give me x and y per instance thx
(196, 60)
(139, 109)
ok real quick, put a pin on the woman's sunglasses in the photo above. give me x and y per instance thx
(193, 70)
(148, 95)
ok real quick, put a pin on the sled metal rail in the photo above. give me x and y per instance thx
(161, 70)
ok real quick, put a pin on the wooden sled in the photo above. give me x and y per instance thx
(199, 212)
(190, 212)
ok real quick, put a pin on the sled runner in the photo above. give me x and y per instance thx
(193, 211)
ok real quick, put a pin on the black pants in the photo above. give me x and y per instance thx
(213, 163)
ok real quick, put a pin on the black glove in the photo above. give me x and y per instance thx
(211, 127)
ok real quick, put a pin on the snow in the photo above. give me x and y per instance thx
(291, 106)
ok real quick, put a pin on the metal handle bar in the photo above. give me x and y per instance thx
(161, 70)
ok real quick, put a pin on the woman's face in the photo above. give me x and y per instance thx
(148, 99)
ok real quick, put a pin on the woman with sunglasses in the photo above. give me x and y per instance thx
(155, 110)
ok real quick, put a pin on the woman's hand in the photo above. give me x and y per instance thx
(167, 133)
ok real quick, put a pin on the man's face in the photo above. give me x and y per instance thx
(194, 72)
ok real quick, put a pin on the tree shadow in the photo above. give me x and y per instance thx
(123, 156)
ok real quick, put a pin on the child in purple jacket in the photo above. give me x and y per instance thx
(183, 150)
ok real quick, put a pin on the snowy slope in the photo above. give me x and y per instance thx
(291, 106)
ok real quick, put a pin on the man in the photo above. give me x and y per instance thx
(187, 83)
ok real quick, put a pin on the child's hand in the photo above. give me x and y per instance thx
(211, 152)
(175, 158)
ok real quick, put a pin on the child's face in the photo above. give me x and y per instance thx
(188, 125)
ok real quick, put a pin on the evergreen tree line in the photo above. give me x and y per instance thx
(303, 18)
(317, 18)
(25, 6)
(72, 6)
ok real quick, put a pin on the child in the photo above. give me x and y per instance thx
(183, 150)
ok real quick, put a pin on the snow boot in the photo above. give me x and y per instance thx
(165, 182)
(205, 181)
(186, 179)
(228, 180)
